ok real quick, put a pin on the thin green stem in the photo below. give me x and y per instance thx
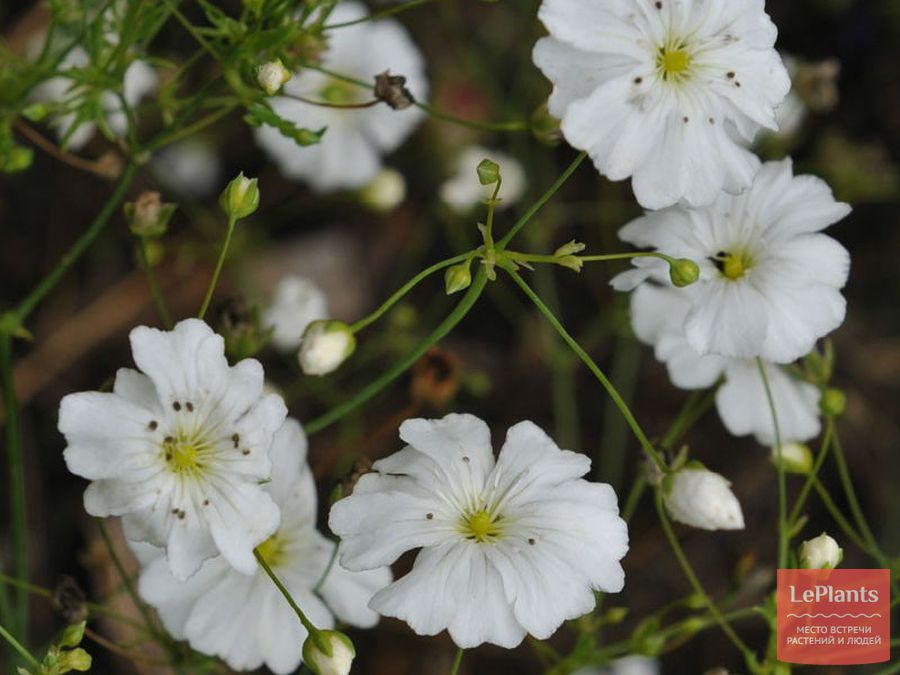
(48, 283)
(307, 624)
(839, 518)
(513, 126)
(406, 288)
(594, 368)
(410, 4)
(24, 653)
(158, 298)
(539, 204)
(457, 661)
(191, 129)
(782, 481)
(749, 656)
(814, 473)
(223, 253)
(890, 670)
(634, 496)
(398, 369)
(16, 469)
(331, 561)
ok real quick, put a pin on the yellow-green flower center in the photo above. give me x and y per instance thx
(272, 550)
(185, 454)
(673, 61)
(340, 92)
(733, 266)
(481, 526)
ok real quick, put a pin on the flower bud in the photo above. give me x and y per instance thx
(148, 215)
(328, 653)
(325, 346)
(683, 272)
(73, 634)
(272, 76)
(488, 172)
(73, 659)
(240, 198)
(457, 278)
(386, 191)
(833, 402)
(571, 248)
(821, 553)
(701, 498)
(545, 126)
(795, 458)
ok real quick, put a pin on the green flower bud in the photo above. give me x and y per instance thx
(572, 248)
(325, 346)
(73, 659)
(240, 198)
(683, 272)
(795, 458)
(73, 635)
(615, 615)
(457, 278)
(488, 172)
(833, 402)
(574, 263)
(545, 127)
(272, 76)
(328, 652)
(148, 215)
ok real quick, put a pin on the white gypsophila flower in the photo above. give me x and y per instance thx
(178, 449)
(349, 154)
(464, 191)
(140, 80)
(191, 168)
(658, 315)
(325, 346)
(296, 303)
(243, 618)
(770, 281)
(664, 92)
(821, 553)
(509, 546)
(628, 665)
(700, 498)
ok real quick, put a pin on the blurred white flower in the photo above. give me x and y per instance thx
(629, 665)
(191, 167)
(349, 154)
(140, 80)
(794, 457)
(703, 499)
(243, 618)
(509, 547)
(821, 553)
(658, 315)
(297, 302)
(385, 192)
(770, 281)
(463, 191)
(178, 450)
(325, 346)
(662, 91)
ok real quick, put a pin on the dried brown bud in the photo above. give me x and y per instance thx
(69, 601)
(110, 165)
(435, 378)
(392, 90)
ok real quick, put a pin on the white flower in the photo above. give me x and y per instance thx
(463, 191)
(703, 499)
(662, 91)
(658, 316)
(191, 167)
(349, 154)
(509, 547)
(325, 346)
(178, 449)
(821, 553)
(297, 302)
(243, 618)
(769, 280)
(628, 665)
(140, 80)
(272, 76)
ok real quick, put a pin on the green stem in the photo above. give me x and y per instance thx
(513, 126)
(79, 247)
(158, 298)
(307, 624)
(372, 389)
(594, 368)
(539, 204)
(406, 288)
(223, 253)
(813, 475)
(16, 468)
(749, 656)
(457, 661)
(411, 4)
(839, 518)
(24, 653)
(782, 481)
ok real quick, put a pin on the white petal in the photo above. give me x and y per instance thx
(348, 593)
(241, 516)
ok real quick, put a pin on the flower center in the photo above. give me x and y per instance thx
(272, 550)
(673, 62)
(339, 91)
(184, 454)
(481, 526)
(732, 265)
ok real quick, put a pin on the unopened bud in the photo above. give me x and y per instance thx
(240, 198)
(386, 191)
(73, 635)
(328, 653)
(833, 402)
(572, 248)
(272, 76)
(821, 553)
(73, 659)
(545, 126)
(683, 272)
(488, 172)
(148, 215)
(457, 278)
(795, 458)
(325, 346)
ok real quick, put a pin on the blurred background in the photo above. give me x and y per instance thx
(502, 363)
